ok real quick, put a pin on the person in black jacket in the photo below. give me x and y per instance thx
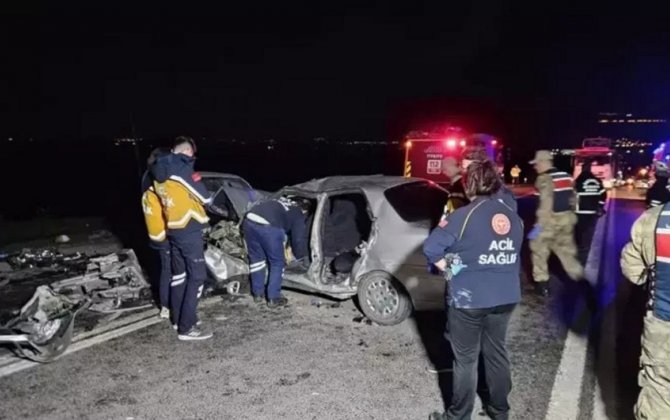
(658, 193)
(591, 196)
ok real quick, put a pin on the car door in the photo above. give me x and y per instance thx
(226, 256)
(417, 207)
(232, 197)
(298, 277)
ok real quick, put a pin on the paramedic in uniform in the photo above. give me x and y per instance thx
(646, 259)
(554, 227)
(658, 193)
(456, 190)
(457, 195)
(184, 197)
(265, 228)
(591, 196)
(478, 249)
(157, 230)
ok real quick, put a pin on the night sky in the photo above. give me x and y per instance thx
(336, 69)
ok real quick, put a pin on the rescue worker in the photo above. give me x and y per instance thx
(184, 197)
(157, 230)
(478, 154)
(591, 196)
(456, 190)
(478, 249)
(265, 229)
(515, 172)
(658, 193)
(646, 260)
(554, 227)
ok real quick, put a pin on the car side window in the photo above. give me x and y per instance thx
(418, 202)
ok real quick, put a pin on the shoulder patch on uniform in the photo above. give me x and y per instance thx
(196, 177)
(501, 224)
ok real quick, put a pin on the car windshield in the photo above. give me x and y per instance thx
(418, 201)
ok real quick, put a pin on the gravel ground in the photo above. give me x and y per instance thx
(300, 362)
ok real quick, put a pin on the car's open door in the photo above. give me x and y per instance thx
(226, 255)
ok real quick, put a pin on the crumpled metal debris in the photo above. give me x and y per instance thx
(43, 328)
(226, 236)
(112, 282)
(42, 258)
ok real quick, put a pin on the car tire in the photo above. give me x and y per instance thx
(383, 299)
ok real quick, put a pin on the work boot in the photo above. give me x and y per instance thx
(195, 334)
(542, 288)
(259, 299)
(276, 303)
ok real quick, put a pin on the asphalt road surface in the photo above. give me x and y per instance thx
(318, 362)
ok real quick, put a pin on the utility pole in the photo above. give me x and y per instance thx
(136, 149)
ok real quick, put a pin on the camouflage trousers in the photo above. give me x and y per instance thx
(557, 237)
(654, 378)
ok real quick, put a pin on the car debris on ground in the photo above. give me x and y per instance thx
(43, 289)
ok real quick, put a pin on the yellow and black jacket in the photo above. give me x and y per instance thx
(182, 194)
(153, 213)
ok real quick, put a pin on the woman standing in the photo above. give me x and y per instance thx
(478, 250)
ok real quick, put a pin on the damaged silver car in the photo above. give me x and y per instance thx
(365, 236)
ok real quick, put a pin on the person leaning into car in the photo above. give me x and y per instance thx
(478, 250)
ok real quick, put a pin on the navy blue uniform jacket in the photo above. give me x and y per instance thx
(288, 218)
(486, 235)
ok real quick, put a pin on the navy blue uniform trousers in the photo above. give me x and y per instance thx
(265, 245)
(472, 331)
(188, 278)
(164, 259)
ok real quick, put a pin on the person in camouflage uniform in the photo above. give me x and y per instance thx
(556, 219)
(646, 260)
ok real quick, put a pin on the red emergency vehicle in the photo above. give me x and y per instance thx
(424, 152)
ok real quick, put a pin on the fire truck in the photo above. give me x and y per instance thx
(425, 151)
(599, 151)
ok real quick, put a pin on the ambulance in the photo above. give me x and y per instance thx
(425, 151)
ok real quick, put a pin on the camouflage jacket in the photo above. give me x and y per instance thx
(553, 195)
(640, 253)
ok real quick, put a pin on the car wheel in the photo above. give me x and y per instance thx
(383, 299)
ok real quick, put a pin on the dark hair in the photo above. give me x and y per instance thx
(155, 154)
(482, 179)
(587, 164)
(475, 153)
(184, 140)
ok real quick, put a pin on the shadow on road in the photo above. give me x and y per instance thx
(616, 339)
(431, 327)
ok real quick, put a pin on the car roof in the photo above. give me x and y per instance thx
(344, 182)
(206, 174)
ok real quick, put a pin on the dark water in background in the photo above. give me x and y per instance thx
(100, 179)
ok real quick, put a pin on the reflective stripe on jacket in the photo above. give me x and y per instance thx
(182, 193)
